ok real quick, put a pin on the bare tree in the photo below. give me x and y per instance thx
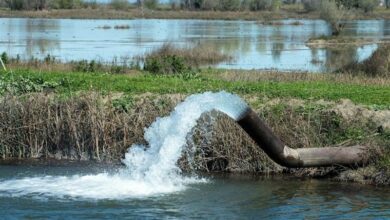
(335, 15)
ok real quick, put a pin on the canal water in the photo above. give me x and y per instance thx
(252, 45)
(234, 197)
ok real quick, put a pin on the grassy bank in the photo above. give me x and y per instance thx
(276, 85)
(97, 116)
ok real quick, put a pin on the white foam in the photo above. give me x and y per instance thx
(150, 170)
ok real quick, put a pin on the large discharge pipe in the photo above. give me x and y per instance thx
(295, 158)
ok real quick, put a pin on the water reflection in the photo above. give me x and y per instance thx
(316, 199)
(253, 46)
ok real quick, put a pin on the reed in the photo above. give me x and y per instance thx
(378, 64)
(118, 65)
(193, 56)
(90, 126)
(84, 127)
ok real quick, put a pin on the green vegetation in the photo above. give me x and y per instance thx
(171, 60)
(70, 82)
(4, 57)
(120, 4)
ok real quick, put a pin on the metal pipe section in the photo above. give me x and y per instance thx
(296, 158)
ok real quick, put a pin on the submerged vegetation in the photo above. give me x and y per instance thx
(171, 60)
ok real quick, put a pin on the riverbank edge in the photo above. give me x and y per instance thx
(103, 13)
(255, 98)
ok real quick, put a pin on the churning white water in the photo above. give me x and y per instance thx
(150, 170)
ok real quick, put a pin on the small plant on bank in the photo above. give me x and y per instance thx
(169, 64)
(87, 66)
(4, 58)
(123, 104)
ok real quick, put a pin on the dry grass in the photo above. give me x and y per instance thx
(220, 145)
(85, 127)
(117, 65)
(280, 23)
(378, 64)
(277, 76)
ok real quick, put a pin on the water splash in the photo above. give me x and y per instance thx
(150, 170)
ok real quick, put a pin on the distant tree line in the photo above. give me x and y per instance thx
(216, 5)
(365, 5)
(229, 5)
(70, 4)
(257, 5)
(40, 4)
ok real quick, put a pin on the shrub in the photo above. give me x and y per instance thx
(334, 15)
(16, 4)
(311, 5)
(85, 66)
(65, 4)
(256, 5)
(210, 5)
(378, 64)
(26, 4)
(151, 4)
(4, 57)
(171, 60)
(229, 5)
(169, 64)
(119, 4)
(367, 5)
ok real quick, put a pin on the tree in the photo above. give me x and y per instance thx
(256, 5)
(334, 14)
(229, 5)
(121, 4)
(365, 5)
(26, 4)
(311, 5)
(368, 5)
(150, 4)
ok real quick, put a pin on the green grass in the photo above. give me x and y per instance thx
(69, 82)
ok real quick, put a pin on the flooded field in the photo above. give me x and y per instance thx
(251, 44)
